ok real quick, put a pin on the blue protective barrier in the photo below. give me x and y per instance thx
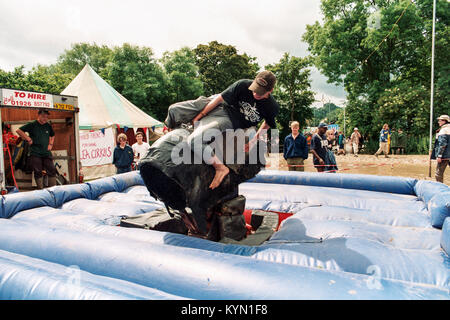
(401, 218)
(122, 197)
(339, 180)
(109, 211)
(347, 246)
(13, 203)
(116, 183)
(70, 192)
(351, 237)
(197, 273)
(425, 190)
(439, 207)
(445, 236)
(126, 180)
(354, 247)
(313, 195)
(299, 228)
(26, 278)
(65, 219)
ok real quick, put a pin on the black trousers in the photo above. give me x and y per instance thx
(39, 163)
(123, 169)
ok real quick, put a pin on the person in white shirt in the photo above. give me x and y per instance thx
(140, 148)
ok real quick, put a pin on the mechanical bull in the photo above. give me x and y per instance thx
(174, 175)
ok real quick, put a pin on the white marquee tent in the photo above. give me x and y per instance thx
(102, 109)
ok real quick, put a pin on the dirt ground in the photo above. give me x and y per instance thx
(413, 166)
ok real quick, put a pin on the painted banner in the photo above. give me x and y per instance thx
(333, 126)
(18, 98)
(96, 147)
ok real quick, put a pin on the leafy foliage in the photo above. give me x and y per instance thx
(292, 91)
(393, 85)
(137, 75)
(183, 75)
(220, 65)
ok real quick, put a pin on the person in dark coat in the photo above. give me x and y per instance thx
(123, 155)
(441, 150)
(295, 150)
(319, 147)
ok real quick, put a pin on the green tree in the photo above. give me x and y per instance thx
(137, 75)
(393, 84)
(13, 79)
(183, 74)
(220, 65)
(292, 90)
(73, 60)
(48, 79)
(40, 78)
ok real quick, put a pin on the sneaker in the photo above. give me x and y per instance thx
(386, 156)
(376, 155)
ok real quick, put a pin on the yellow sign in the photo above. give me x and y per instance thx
(64, 106)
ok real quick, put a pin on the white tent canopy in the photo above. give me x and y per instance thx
(101, 106)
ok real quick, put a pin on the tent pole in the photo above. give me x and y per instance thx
(432, 87)
(2, 162)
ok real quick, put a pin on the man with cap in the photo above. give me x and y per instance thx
(244, 104)
(319, 144)
(41, 137)
(441, 150)
(354, 139)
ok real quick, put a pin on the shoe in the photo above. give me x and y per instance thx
(386, 156)
(51, 181)
(39, 183)
(376, 155)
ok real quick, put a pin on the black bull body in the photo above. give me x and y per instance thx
(186, 185)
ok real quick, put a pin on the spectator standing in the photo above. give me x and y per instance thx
(394, 141)
(123, 155)
(319, 147)
(384, 141)
(308, 137)
(330, 159)
(295, 150)
(140, 148)
(401, 144)
(354, 139)
(41, 138)
(341, 143)
(441, 150)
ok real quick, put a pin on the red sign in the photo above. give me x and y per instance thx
(17, 98)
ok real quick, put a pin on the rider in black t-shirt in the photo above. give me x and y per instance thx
(247, 102)
(245, 110)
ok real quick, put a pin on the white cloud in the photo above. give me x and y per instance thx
(35, 32)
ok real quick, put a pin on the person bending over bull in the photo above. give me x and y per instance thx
(242, 105)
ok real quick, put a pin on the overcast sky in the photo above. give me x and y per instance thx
(38, 31)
